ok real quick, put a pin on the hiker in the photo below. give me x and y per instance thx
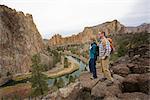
(93, 57)
(104, 54)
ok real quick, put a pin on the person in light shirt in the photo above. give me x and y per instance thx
(104, 54)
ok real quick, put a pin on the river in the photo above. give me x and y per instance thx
(66, 79)
(59, 81)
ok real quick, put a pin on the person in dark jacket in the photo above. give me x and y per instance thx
(92, 61)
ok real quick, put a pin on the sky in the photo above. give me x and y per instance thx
(68, 17)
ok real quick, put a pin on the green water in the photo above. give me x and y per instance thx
(66, 79)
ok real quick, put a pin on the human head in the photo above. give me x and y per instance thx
(92, 40)
(101, 34)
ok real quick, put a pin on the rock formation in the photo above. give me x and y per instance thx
(113, 27)
(131, 81)
(19, 41)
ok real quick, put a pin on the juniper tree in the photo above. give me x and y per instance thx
(38, 79)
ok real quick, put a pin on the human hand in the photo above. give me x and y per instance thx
(104, 57)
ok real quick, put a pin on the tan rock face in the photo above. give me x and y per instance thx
(19, 40)
(113, 27)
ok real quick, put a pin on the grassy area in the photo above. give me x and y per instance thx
(114, 57)
(125, 42)
(21, 77)
(16, 92)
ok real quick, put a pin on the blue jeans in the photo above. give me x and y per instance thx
(92, 67)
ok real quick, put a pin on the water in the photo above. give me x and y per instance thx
(66, 79)
(59, 81)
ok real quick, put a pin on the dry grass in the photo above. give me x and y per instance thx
(18, 91)
(73, 67)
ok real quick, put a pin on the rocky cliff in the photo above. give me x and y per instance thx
(113, 27)
(19, 40)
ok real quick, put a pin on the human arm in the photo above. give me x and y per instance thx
(107, 50)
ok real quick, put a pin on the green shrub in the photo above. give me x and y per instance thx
(66, 64)
(59, 83)
(125, 42)
(71, 79)
(128, 41)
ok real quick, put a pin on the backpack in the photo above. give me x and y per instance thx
(97, 50)
(111, 44)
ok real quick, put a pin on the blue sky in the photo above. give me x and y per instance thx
(68, 17)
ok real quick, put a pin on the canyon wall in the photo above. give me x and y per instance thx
(19, 41)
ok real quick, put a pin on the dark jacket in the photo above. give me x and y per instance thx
(93, 50)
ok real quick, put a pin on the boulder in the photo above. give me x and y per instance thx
(101, 90)
(110, 98)
(133, 96)
(137, 83)
(140, 69)
(84, 94)
(130, 83)
(130, 65)
(121, 69)
(86, 82)
(144, 83)
(118, 79)
(69, 92)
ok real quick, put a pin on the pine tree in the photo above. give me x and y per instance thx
(66, 63)
(38, 79)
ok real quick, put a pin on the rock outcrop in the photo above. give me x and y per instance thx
(19, 41)
(114, 27)
(59, 40)
(131, 81)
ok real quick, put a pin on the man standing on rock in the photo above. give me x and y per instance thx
(93, 57)
(104, 54)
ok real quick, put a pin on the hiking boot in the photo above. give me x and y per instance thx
(103, 79)
(92, 78)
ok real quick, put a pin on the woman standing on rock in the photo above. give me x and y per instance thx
(93, 57)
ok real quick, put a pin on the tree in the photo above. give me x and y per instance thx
(60, 83)
(56, 56)
(71, 79)
(38, 79)
(66, 63)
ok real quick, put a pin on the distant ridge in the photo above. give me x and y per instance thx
(113, 27)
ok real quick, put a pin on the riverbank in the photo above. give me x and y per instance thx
(73, 67)
(51, 74)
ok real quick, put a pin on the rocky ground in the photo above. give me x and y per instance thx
(131, 75)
